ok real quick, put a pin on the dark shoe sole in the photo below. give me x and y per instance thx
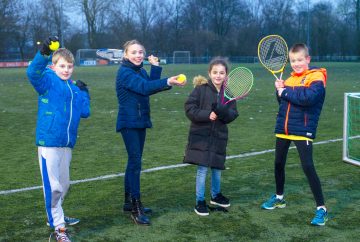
(146, 210)
(219, 204)
(201, 214)
(136, 222)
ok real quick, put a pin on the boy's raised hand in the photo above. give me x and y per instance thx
(279, 84)
(47, 46)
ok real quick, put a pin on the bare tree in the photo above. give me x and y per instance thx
(322, 26)
(277, 17)
(146, 11)
(95, 12)
(9, 17)
(162, 32)
(358, 25)
(122, 26)
(346, 27)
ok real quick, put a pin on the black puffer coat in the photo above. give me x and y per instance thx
(207, 139)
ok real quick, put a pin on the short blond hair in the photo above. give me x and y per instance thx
(299, 47)
(62, 53)
(132, 42)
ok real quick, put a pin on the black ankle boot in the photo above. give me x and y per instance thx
(137, 213)
(128, 206)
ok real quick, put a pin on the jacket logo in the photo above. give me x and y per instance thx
(308, 134)
(303, 81)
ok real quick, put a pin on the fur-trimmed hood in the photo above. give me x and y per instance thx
(200, 80)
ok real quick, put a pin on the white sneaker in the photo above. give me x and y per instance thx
(61, 235)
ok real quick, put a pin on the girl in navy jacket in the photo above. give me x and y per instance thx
(133, 88)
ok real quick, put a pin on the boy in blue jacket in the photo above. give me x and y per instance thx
(301, 98)
(61, 104)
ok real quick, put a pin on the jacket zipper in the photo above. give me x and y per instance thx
(139, 110)
(68, 127)
(287, 119)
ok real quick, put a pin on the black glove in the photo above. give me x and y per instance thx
(81, 85)
(45, 49)
(221, 110)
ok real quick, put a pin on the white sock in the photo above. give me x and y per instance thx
(280, 197)
(60, 226)
(323, 207)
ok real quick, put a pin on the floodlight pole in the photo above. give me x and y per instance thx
(308, 24)
(61, 24)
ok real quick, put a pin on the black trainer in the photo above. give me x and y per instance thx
(201, 208)
(220, 200)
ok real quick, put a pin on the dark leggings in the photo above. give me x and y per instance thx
(305, 152)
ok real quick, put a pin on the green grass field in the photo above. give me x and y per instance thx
(171, 193)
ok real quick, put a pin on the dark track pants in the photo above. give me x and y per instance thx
(305, 152)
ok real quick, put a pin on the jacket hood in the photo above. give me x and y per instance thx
(200, 80)
(311, 70)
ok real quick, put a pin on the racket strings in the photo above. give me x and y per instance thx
(239, 83)
(273, 53)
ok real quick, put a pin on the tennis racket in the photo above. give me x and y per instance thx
(116, 55)
(273, 54)
(237, 85)
(110, 54)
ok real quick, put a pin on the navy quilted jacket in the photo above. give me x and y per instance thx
(301, 103)
(133, 88)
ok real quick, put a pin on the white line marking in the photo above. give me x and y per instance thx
(161, 168)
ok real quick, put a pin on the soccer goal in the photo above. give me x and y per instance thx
(351, 133)
(181, 57)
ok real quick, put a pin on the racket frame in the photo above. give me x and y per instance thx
(281, 70)
(223, 86)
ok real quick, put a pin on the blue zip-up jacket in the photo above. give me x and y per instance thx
(133, 88)
(61, 104)
(301, 103)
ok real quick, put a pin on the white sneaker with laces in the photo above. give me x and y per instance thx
(61, 235)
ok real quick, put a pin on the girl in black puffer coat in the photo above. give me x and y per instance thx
(208, 133)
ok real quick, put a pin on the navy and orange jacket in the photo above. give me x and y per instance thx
(301, 103)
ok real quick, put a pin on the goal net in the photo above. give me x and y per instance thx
(351, 133)
(181, 57)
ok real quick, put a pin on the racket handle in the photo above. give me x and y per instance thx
(276, 77)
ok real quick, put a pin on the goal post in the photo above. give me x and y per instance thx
(181, 57)
(351, 128)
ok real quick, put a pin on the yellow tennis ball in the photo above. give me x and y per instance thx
(54, 45)
(181, 78)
